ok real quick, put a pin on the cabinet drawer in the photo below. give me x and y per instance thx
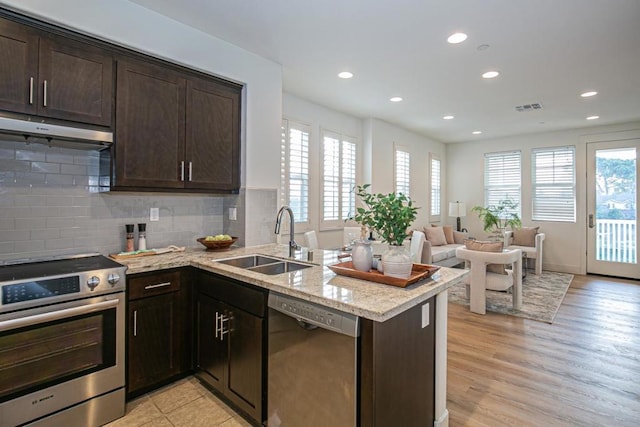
(156, 283)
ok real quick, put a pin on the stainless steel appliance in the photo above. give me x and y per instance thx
(312, 364)
(62, 342)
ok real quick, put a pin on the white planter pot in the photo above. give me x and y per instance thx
(397, 262)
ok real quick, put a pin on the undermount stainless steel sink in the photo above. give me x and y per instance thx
(264, 264)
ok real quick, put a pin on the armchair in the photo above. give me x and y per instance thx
(479, 279)
(530, 242)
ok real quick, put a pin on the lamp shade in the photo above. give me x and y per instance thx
(457, 209)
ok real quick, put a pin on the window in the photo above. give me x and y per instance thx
(435, 186)
(339, 155)
(402, 163)
(554, 184)
(502, 178)
(294, 170)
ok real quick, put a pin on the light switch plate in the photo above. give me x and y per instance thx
(425, 315)
(233, 214)
(154, 214)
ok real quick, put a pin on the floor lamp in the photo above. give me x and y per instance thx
(458, 210)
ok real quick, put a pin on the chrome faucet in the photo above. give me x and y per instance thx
(292, 243)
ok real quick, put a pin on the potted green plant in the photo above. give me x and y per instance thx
(389, 216)
(496, 218)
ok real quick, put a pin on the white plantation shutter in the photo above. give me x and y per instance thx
(295, 169)
(435, 187)
(339, 155)
(502, 178)
(402, 162)
(554, 184)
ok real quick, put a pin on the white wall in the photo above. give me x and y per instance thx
(565, 244)
(130, 25)
(383, 137)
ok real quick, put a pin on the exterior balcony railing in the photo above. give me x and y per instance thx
(616, 240)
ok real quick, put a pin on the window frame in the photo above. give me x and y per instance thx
(285, 171)
(397, 168)
(435, 216)
(569, 185)
(504, 190)
(342, 192)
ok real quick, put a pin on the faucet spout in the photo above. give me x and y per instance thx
(292, 243)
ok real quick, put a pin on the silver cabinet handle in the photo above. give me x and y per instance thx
(44, 101)
(158, 285)
(190, 171)
(591, 224)
(182, 171)
(216, 333)
(224, 331)
(31, 91)
(135, 323)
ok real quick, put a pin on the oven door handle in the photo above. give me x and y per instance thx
(8, 325)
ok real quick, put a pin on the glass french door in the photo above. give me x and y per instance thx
(612, 208)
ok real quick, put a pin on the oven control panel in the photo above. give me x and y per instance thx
(38, 289)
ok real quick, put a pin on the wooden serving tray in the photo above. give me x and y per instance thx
(418, 272)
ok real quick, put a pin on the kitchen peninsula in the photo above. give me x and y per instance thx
(394, 322)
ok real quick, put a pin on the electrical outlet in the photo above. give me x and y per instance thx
(233, 214)
(154, 214)
(425, 315)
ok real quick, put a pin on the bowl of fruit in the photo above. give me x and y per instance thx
(217, 242)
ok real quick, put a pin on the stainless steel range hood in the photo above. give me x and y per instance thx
(54, 135)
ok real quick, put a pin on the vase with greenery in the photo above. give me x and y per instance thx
(389, 216)
(497, 218)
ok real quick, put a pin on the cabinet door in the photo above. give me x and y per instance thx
(18, 67)
(150, 111)
(152, 350)
(75, 82)
(213, 135)
(212, 352)
(244, 380)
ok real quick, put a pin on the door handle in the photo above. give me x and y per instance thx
(31, 91)
(182, 170)
(591, 224)
(135, 323)
(44, 102)
(224, 331)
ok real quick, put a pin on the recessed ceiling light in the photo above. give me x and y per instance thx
(593, 117)
(345, 75)
(457, 38)
(490, 74)
(395, 99)
(476, 132)
(588, 94)
(447, 117)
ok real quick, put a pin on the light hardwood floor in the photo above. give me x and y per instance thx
(582, 370)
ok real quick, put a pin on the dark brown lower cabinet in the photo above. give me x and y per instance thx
(158, 343)
(397, 370)
(231, 339)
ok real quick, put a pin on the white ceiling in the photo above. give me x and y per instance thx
(548, 51)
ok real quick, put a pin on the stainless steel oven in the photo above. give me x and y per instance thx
(62, 342)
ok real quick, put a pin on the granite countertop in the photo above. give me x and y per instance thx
(317, 284)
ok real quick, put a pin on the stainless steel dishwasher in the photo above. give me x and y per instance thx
(312, 379)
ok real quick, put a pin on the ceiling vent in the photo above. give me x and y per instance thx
(529, 107)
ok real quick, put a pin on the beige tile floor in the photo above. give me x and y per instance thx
(183, 403)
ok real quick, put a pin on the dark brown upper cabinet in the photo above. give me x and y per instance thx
(53, 76)
(175, 130)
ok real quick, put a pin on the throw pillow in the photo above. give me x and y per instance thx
(484, 246)
(448, 233)
(525, 236)
(435, 235)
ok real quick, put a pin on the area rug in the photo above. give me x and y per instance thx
(541, 297)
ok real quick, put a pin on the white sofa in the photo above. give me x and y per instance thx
(444, 255)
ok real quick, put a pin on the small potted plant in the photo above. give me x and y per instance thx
(496, 218)
(390, 216)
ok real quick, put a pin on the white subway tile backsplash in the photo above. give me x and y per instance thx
(29, 223)
(31, 154)
(62, 157)
(44, 167)
(73, 169)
